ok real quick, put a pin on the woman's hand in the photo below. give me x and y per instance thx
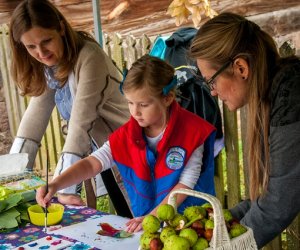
(135, 224)
(43, 198)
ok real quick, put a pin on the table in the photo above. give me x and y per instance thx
(79, 225)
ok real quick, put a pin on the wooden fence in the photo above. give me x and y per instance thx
(230, 164)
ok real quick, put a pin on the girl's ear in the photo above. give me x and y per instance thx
(241, 68)
(169, 98)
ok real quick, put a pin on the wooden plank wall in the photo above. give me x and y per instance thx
(230, 164)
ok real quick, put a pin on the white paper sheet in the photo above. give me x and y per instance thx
(86, 232)
(13, 164)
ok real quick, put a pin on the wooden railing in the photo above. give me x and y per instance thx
(230, 164)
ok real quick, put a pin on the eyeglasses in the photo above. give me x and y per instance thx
(211, 81)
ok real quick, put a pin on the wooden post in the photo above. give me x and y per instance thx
(118, 52)
(243, 125)
(219, 178)
(232, 157)
(131, 52)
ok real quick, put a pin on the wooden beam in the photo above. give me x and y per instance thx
(281, 22)
(277, 17)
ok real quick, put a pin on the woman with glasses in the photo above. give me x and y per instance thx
(58, 66)
(241, 64)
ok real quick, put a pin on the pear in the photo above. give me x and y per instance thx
(190, 234)
(200, 244)
(146, 238)
(206, 205)
(236, 230)
(151, 223)
(165, 212)
(175, 242)
(193, 213)
(227, 215)
(178, 220)
(166, 232)
(209, 224)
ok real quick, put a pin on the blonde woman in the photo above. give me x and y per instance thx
(241, 65)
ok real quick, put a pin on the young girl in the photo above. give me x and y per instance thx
(158, 150)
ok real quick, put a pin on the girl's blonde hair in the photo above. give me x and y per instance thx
(229, 36)
(27, 72)
(151, 73)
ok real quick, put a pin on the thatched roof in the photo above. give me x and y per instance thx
(138, 17)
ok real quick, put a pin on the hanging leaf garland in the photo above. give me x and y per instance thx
(182, 9)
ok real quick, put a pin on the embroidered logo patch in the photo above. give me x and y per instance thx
(175, 158)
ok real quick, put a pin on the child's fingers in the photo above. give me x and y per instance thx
(134, 225)
(129, 222)
(138, 228)
(40, 194)
(136, 219)
(131, 227)
(42, 197)
(48, 197)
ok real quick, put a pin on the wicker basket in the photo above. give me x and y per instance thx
(220, 239)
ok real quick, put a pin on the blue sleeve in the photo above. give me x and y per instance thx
(205, 183)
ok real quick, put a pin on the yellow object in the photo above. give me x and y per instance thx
(54, 215)
(182, 9)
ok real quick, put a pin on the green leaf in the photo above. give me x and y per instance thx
(18, 218)
(124, 234)
(3, 205)
(8, 218)
(24, 216)
(5, 192)
(13, 200)
(28, 195)
(22, 208)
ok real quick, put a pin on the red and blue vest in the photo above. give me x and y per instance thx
(149, 176)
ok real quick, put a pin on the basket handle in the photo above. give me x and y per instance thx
(220, 235)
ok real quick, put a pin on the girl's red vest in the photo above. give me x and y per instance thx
(149, 176)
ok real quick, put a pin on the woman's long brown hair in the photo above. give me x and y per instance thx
(227, 37)
(26, 71)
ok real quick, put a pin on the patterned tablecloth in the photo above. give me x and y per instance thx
(79, 225)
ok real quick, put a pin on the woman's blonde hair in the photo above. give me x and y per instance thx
(151, 73)
(27, 72)
(229, 36)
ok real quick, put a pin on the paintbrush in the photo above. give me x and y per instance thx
(45, 208)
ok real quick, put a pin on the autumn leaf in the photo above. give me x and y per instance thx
(181, 10)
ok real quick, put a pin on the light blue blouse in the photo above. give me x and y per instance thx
(63, 96)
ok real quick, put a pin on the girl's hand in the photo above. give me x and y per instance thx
(44, 198)
(135, 224)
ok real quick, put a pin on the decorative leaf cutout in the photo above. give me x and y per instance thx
(183, 9)
(108, 230)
